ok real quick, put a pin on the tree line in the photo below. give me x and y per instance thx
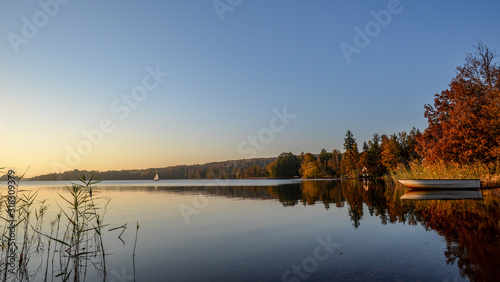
(377, 156)
(234, 169)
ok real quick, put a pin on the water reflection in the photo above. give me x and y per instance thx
(442, 194)
(469, 226)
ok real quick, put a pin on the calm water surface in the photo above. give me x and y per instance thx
(287, 230)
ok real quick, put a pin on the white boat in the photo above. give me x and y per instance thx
(441, 183)
(156, 178)
(447, 194)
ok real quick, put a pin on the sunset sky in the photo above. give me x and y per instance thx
(139, 84)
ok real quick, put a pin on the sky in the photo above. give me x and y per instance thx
(111, 85)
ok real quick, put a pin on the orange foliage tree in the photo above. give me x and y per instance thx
(309, 167)
(391, 152)
(464, 122)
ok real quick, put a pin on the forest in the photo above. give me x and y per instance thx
(463, 130)
(235, 169)
(377, 157)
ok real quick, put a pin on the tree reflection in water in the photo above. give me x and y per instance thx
(470, 227)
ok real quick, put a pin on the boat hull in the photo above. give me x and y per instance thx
(446, 194)
(441, 183)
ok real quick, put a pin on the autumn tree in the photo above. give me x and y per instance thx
(333, 164)
(374, 157)
(253, 171)
(350, 160)
(324, 156)
(391, 151)
(310, 167)
(287, 165)
(464, 122)
(408, 144)
(349, 141)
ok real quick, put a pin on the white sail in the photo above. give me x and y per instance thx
(156, 177)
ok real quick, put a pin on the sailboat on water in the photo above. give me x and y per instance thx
(156, 178)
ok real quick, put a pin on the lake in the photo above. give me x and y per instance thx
(258, 230)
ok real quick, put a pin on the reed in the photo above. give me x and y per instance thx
(442, 170)
(82, 238)
(136, 232)
(69, 244)
(135, 244)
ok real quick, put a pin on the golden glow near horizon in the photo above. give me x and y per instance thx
(38, 156)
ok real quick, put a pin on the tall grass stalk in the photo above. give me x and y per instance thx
(136, 231)
(83, 236)
(68, 248)
(135, 244)
(72, 241)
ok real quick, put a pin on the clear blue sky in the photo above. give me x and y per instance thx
(65, 68)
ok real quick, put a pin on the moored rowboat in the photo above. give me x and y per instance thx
(441, 183)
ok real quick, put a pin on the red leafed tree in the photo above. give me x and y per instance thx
(464, 122)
